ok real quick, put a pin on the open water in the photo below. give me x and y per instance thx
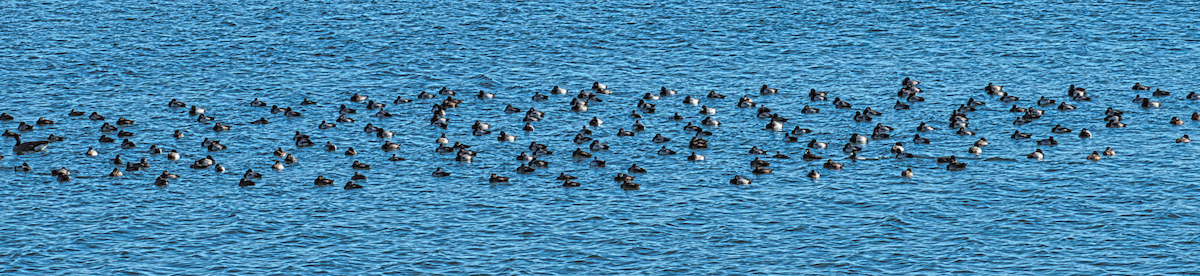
(1133, 213)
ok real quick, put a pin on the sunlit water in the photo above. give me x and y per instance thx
(1133, 213)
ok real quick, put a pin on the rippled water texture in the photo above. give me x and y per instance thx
(1133, 213)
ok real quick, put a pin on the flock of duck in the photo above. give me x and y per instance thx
(909, 92)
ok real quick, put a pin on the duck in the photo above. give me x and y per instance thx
(1018, 135)
(195, 111)
(1139, 86)
(277, 166)
(914, 98)
(1095, 156)
(800, 131)
(1036, 154)
(1183, 139)
(761, 171)
(524, 169)
(440, 173)
(122, 121)
(25, 147)
(956, 166)
(857, 139)
(161, 182)
(898, 147)
(497, 179)
(695, 157)
(714, 95)
(1084, 133)
(116, 173)
(1109, 151)
(218, 127)
(1043, 101)
(829, 164)
(709, 121)
(96, 117)
(597, 145)
(817, 145)
(976, 150)
(964, 132)
(219, 168)
(925, 128)
(1065, 106)
(907, 173)
(1160, 93)
(658, 138)
(630, 186)
(982, 142)
(1060, 129)
(350, 185)
(24, 127)
(756, 150)
(350, 151)
(635, 169)
(839, 103)
(814, 174)
(1048, 142)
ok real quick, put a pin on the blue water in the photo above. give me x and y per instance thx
(1133, 213)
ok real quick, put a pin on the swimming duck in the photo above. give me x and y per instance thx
(1095, 156)
(715, 95)
(524, 169)
(1160, 93)
(1183, 139)
(839, 103)
(218, 127)
(123, 133)
(1048, 142)
(24, 127)
(925, 128)
(352, 186)
(360, 166)
(635, 169)
(350, 151)
(956, 166)
(709, 121)
(1037, 154)
(95, 117)
(329, 146)
(1043, 101)
(1065, 106)
(914, 98)
(858, 139)
(907, 173)
(695, 157)
(817, 145)
(964, 132)
(1109, 151)
(1060, 129)
(1139, 86)
(829, 164)
(898, 147)
(497, 179)
(277, 166)
(1018, 135)
(195, 111)
(579, 153)
(1176, 121)
(976, 150)
(761, 171)
(115, 173)
(106, 139)
(1115, 124)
